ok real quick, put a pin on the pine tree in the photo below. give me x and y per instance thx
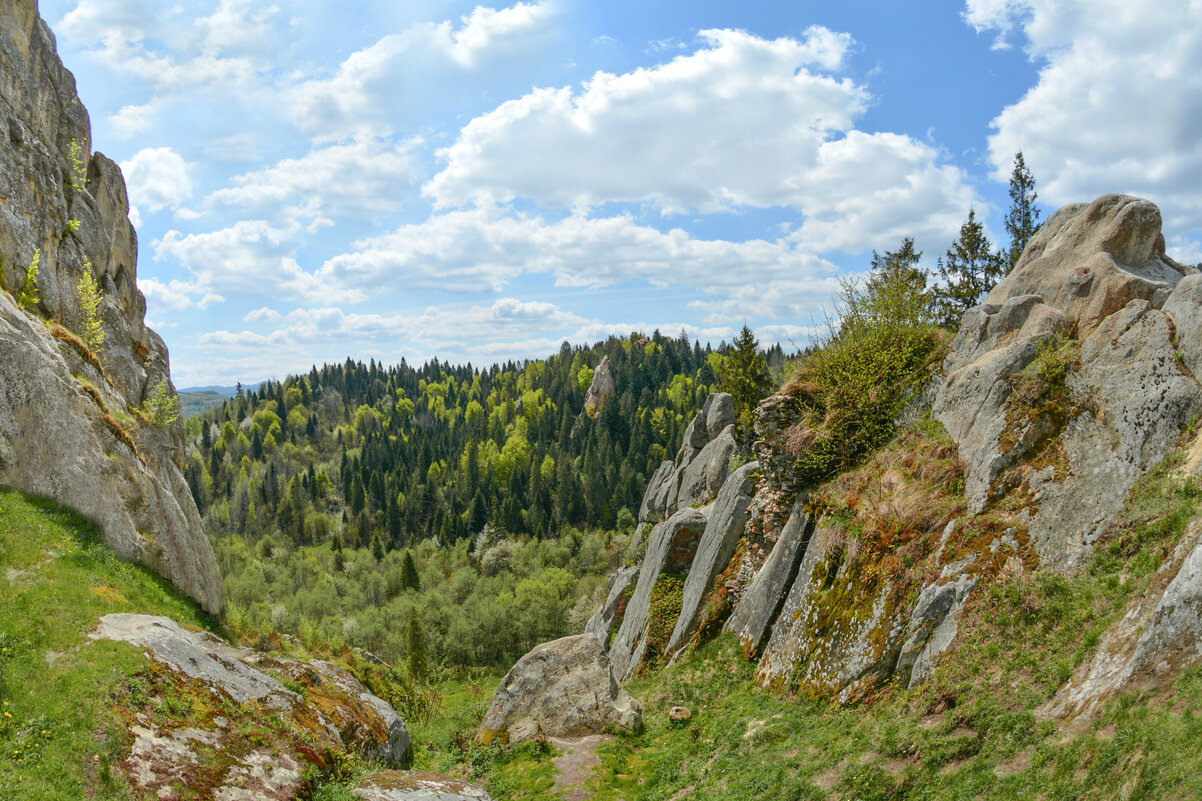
(744, 374)
(970, 269)
(409, 577)
(1022, 221)
(416, 661)
(897, 265)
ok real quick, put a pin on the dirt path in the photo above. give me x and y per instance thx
(575, 766)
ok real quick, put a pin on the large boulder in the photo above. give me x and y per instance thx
(108, 462)
(1097, 274)
(560, 689)
(722, 531)
(333, 713)
(670, 550)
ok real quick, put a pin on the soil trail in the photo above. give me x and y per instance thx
(575, 766)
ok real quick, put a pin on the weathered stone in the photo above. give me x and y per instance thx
(335, 707)
(679, 714)
(1090, 260)
(757, 610)
(701, 465)
(670, 550)
(1159, 635)
(706, 472)
(717, 545)
(601, 388)
(1184, 306)
(124, 475)
(655, 498)
(720, 414)
(561, 688)
(931, 628)
(415, 785)
(606, 619)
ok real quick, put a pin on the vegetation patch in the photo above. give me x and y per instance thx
(667, 597)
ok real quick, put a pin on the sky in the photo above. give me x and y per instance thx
(479, 183)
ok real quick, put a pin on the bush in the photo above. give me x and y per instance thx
(88, 294)
(162, 407)
(858, 380)
(27, 296)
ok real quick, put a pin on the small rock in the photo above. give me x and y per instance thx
(679, 714)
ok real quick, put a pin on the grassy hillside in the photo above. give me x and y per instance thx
(59, 733)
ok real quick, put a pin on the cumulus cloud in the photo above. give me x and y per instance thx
(263, 313)
(743, 121)
(359, 180)
(476, 250)
(1117, 104)
(363, 96)
(250, 258)
(157, 178)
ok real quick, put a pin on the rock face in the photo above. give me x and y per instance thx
(561, 688)
(601, 388)
(606, 620)
(108, 460)
(1096, 275)
(335, 712)
(671, 548)
(932, 628)
(722, 531)
(701, 466)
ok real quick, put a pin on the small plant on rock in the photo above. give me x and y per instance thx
(27, 296)
(162, 407)
(87, 292)
(79, 167)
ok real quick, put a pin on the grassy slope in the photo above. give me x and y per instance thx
(972, 732)
(59, 733)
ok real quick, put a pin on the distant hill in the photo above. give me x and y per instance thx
(198, 400)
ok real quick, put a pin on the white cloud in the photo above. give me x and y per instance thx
(131, 121)
(360, 180)
(363, 97)
(157, 178)
(479, 250)
(250, 258)
(1118, 103)
(744, 121)
(263, 313)
(1186, 250)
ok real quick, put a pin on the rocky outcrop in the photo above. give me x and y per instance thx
(601, 388)
(670, 550)
(1159, 634)
(608, 617)
(932, 628)
(561, 688)
(334, 711)
(1096, 276)
(722, 531)
(109, 460)
(416, 785)
(701, 466)
(760, 604)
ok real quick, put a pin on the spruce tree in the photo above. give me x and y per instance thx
(1022, 221)
(744, 374)
(901, 265)
(409, 577)
(417, 663)
(970, 269)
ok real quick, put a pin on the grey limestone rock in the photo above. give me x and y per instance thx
(414, 785)
(669, 550)
(757, 610)
(601, 388)
(931, 628)
(561, 688)
(706, 472)
(124, 475)
(604, 620)
(655, 498)
(1184, 306)
(701, 465)
(717, 545)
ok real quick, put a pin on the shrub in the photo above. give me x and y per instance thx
(855, 384)
(79, 167)
(87, 291)
(162, 407)
(27, 296)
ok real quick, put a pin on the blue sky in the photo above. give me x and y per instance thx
(481, 182)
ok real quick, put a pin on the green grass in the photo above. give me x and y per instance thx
(60, 737)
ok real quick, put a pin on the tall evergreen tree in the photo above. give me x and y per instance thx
(744, 374)
(900, 265)
(1022, 221)
(969, 270)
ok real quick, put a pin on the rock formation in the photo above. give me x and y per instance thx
(601, 388)
(701, 464)
(561, 688)
(73, 419)
(335, 712)
(416, 785)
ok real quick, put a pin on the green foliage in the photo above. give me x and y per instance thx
(855, 384)
(1041, 389)
(27, 295)
(71, 228)
(1022, 220)
(78, 175)
(969, 270)
(667, 596)
(87, 293)
(417, 664)
(744, 374)
(162, 407)
(899, 267)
